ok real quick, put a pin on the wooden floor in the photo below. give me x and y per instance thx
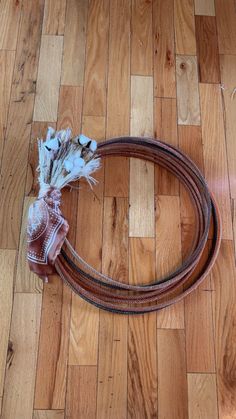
(163, 68)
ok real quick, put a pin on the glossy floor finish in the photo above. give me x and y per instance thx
(162, 68)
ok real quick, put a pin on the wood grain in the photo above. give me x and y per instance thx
(214, 151)
(141, 190)
(202, 396)
(21, 369)
(7, 264)
(48, 82)
(184, 27)
(95, 82)
(14, 163)
(10, 12)
(225, 17)
(228, 68)
(74, 43)
(48, 414)
(224, 314)
(168, 255)
(141, 40)
(26, 281)
(53, 346)
(81, 396)
(187, 90)
(204, 7)
(7, 59)
(207, 49)
(118, 95)
(172, 384)
(142, 362)
(54, 17)
(164, 49)
(165, 128)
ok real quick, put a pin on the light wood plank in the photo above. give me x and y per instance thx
(228, 69)
(7, 59)
(54, 17)
(96, 58)
(20, 374)
(204, 7)
(53, 346)
(118, 95)
(26, 281)
(48, 414)
(215, 153)
(74, 43)
(234, 225)
(172, 380)
(187, 90)
(168, 255)
(141, 172)
(10, 12)
(48, 82)
(202, 397)
(14, 161)
(224, 313)
(142, 362)
(83, 348)
(7, 265)
(70, 108)
(112, 360)
(81, 395)
(207, 49)
(165, 128)
(184, 27)
(164, 48)
(226, 28)
(141, 46)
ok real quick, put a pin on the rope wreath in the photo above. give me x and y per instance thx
(49, 250)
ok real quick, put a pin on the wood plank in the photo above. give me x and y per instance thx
(112, 360)
(187, 90)
(215, 153)
(7, 59)
(165, 128)
(226, 28)
(26, 281)
(224, 314)
(202, 396)
(10, 12)
(118, 95)
(14, 161)
(190, 142)
(142, 362)
(234, 225)
(53, 346)
(184, 27)
(74, 43)
(141, 190)
(96, 58)
(54, 17)
(228, 68)
(204, 7)
(48, 82)
(83, 349)
(199, 331)
(21, 369)
(164, 48)
(7, 265)
(168, 255)
(141, 40)
(172, 381)
(70, 108)
(48, 414)
(207, 49)
(81, 395)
